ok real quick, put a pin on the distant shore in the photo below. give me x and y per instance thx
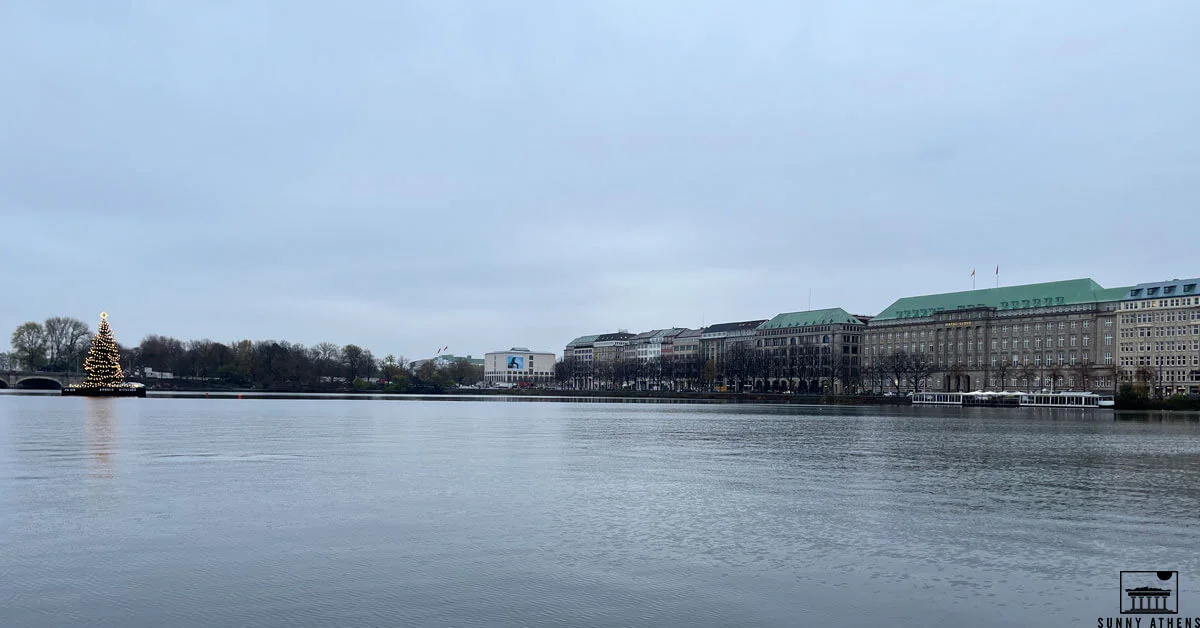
(221, 392)
(718, 397)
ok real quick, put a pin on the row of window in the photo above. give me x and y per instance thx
(1139, 305)
(1159, 317)
(1180, 376)
(1150, 332)
(1161, 360)
(804, 340)
(1003, 344)
(1035, 328)
(791, 331)
(1036, 359)
(1161, 346)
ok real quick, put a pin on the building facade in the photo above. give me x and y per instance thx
(580, 348)
(1158, 336)
(717, 340)
(1046, 336)
(575, 369)
(608, 348)
(648, 346)
(730, 349)
(518, 365)
(816, 351)
(682, 359)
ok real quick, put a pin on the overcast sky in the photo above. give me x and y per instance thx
(407, 176)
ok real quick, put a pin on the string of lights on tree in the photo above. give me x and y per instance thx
(103, 362)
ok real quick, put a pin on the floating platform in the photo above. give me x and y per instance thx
(129, 390)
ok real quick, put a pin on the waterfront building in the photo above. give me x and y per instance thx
(610, 347)
(648, 346)
(518, 365)
(1158, 336)
(580, 348)
(609, 368)
(811, 351)
(717, 340)
(575, 370)
(1051, 335)
(645, 353)
(682, 359)
(730, 349)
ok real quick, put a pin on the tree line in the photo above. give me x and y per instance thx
(901, 370)
(814, 369)
(798, 368)
(61, 343)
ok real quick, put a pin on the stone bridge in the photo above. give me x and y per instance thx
(38, 380)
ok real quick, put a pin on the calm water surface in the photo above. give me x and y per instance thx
(194, 512)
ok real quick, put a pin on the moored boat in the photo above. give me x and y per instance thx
(1015, 399)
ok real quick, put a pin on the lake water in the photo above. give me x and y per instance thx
(206, 512)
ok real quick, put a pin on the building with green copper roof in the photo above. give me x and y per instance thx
(1047, 336)
(814, 351)
(580, 348)
(582, 340)
(1038, 295)
(830, 316)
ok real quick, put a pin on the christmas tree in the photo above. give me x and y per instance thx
(103, 362)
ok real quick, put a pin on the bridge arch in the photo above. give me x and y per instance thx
(3, 383)
(39, 383)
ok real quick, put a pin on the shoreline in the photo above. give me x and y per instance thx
(569, 396)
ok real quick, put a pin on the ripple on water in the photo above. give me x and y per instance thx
(484, 514)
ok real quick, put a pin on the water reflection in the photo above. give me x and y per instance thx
(100, 429)
(1157, 416)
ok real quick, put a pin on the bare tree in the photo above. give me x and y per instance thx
(1147, 375)
(1056, 372)
(874, 375)
(1027, 372)
(738, 364)
(1117, 373)
(29, 345)
(327, 357)
(1082, 372)
(708, 374)
(897, 366)
(1002, 370)
(65, 339)
(922, 367)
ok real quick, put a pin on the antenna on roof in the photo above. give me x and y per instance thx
(810, 298)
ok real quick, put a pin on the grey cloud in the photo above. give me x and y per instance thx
(406, 175)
